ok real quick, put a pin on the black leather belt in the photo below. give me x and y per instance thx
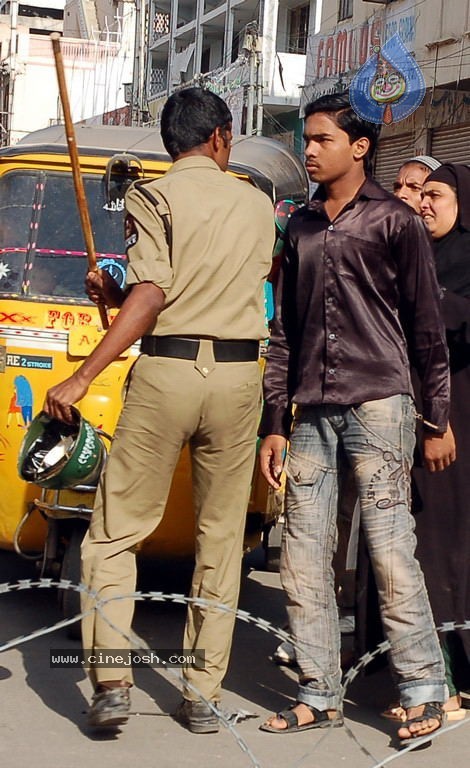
(225, 351)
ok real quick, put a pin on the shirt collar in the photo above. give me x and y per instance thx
(194, 161)
(369, 190)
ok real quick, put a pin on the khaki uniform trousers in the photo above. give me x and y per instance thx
(214, 407)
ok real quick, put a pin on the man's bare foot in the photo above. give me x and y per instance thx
(452, 703)
(395, 712)
(421, 721)
(453, 708)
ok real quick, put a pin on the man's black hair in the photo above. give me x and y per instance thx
(189, 117)
(338, 107)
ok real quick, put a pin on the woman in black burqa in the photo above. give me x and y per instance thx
(441, 501)
(443, 498)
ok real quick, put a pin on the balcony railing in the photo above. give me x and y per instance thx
(161, 24)
(76, 50)
(157, 82)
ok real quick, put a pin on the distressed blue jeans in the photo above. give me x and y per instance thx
(377, 440)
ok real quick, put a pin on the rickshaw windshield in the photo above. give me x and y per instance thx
(42, 249)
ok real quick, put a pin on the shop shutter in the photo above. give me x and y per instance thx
(451, 145)
(391, 154)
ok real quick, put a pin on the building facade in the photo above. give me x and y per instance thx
(97, 50)
(437, 35)
(252, 53)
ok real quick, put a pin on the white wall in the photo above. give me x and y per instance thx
(288, 88)
(95, 73)
(293, 65)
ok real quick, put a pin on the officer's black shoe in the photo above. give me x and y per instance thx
(197, 716)
(110, 707)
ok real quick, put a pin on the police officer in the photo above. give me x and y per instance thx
(199, 245)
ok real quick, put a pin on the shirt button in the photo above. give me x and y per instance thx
(331, 371)
(329, 300)
(331, 228)
(205, 370)
(332, 336)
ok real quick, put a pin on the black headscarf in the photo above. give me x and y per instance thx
(453, 250)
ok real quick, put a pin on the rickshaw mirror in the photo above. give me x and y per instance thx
(125, 166)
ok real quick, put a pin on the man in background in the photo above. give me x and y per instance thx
(410, 179)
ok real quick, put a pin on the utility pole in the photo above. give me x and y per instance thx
(259, 94)
(250, 96)
(254, 95)
(138, 79)
(4, 91)
(12, 65)
(259, 71)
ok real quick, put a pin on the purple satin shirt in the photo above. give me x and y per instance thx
(357, 304)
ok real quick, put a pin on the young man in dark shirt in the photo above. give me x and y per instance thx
(357, 300)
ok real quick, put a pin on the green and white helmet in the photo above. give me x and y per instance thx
(58, 455)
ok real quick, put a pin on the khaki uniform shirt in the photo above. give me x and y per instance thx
(222, 240)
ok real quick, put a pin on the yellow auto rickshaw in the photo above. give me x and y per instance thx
(48, 326)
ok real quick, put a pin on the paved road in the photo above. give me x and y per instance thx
(43, 719)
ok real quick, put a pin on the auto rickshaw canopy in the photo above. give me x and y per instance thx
(268, 163)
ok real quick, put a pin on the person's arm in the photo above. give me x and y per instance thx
(137, 315)
(420, 313)
(455, 310)
(271, 458)
(277, 407)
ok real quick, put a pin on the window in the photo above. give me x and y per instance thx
(345, 9)
(17, 194)
(298, 29)
(161, 24)
(55, 264)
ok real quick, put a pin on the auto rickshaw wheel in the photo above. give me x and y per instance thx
(69, 599)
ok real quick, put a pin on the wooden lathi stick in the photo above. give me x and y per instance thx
(77, 176)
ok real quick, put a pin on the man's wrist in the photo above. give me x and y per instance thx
(430, 427)
(432, 430)
(82, 376)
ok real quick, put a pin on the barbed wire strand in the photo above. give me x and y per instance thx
(242, 615)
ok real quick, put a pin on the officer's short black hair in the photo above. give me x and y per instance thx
(338, 107)
(189, 117)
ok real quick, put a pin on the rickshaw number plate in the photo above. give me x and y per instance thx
(82, 341)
